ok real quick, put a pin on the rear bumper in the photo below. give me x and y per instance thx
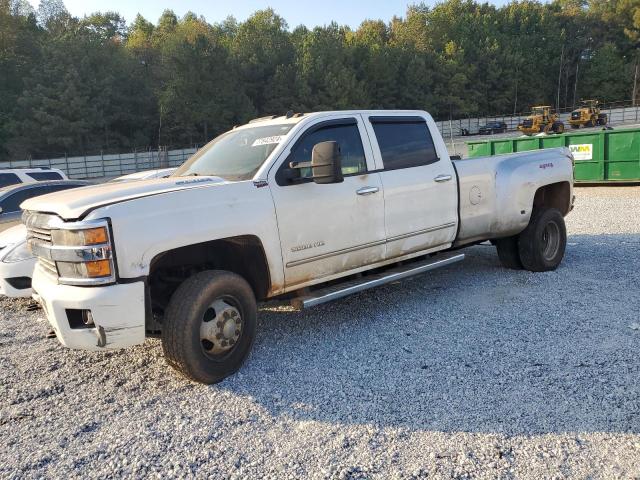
(118, 312)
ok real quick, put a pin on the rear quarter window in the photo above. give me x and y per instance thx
(404, 144)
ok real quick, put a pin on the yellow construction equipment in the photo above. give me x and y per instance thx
(587, 115)
(541, 120)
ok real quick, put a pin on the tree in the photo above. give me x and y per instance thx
(76, 85)
(606, 75)
(264, 55)
(19, 53)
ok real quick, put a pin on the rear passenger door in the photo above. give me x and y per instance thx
(419, 184)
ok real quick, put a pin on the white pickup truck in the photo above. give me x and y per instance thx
(303, 207)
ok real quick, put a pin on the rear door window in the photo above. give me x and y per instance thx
(7, 179)
(404, 143)
(40, 176)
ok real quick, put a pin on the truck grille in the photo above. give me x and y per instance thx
(48, 266)
(39, 233)
(42, 235)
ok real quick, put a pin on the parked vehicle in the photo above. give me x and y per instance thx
(145, 175)
(11, 197)
(587, 115)
(16, 263)
(15, 176)
(492, 127)
(541, 120)
(305, 208)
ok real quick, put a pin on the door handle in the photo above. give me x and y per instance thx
(443, 178)
(367, 190)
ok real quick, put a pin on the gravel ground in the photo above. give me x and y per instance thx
(468, 372)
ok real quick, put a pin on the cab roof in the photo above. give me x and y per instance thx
(293, 118)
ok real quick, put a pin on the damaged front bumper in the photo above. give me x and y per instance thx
(92, 318)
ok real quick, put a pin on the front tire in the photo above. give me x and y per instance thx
(209, 326)
(543, 242)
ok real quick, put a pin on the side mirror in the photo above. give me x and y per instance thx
(326, 163)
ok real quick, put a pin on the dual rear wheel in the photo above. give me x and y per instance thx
(538, 248)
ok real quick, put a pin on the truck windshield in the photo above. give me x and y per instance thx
(236, 155)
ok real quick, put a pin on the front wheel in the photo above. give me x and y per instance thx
(543, 242)
(209, 326)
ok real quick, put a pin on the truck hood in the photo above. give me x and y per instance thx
(76, 202)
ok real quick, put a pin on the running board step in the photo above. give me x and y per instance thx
(370, 281)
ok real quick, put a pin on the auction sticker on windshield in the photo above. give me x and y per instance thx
(267, 140)
(582, 152)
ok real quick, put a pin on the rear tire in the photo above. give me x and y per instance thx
(543, 242)
(209, 326)
(508, 252)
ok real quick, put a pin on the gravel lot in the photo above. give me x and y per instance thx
(472, 371)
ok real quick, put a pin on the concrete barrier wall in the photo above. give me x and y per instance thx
(108, 165)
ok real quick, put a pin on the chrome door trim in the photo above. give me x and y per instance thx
(420, 232)
(295, 263)
(368, 245)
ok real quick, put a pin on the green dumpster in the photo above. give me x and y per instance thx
(600, 156)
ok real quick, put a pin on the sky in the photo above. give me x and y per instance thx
(295, 12)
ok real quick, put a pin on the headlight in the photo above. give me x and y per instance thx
(89, 236)
(18, 253)
(83, 253)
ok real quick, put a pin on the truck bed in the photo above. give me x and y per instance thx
(495, 192)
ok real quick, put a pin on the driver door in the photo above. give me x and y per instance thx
(332, 228)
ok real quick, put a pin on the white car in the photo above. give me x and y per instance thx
(145, 175)
(14, 176)
(16, 263)
(12, 196)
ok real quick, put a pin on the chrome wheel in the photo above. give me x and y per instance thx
(221, 327)
(550, 241)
